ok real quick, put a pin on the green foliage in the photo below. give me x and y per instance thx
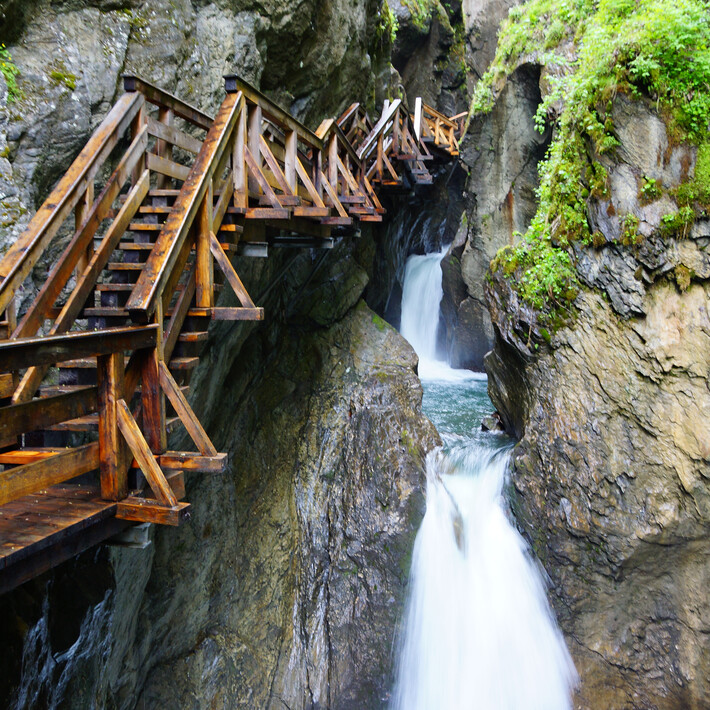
(629, 230)
(649, 191)
(678, 224)
(593, 50)
(10, 72)
(388, 25)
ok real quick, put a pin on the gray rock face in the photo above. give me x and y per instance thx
(501, 151)
(610, 476)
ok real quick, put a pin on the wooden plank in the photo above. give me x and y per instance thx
(333, 197)
(26, 250)
(238, 314)
(222, 205)
(113, 468)
(7, 385)
(184, 411)
(188, 461)
(174, 136)
(166, 167)
(279, 178)
(168, 247)
(37, 414)
(51, 349)
(19, 457)
(228, 270)
(31, 477)
(143, 455)
(159, 97)
(145, 510)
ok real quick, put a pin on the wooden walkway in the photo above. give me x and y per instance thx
(96, 372)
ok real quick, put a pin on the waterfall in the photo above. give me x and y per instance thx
(478, 632)
(421, 298)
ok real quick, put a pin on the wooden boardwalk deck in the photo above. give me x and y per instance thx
(158, 203)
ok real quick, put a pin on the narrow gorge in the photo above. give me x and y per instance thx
(467, 454)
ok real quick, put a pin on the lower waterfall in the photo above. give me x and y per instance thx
(478, 631)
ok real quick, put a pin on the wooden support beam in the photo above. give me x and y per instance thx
(188, 461)
(184, 411)
(290, 158)
(114, 479)
(253, 139)
(146, 510)
(143, 455)
(241, 175)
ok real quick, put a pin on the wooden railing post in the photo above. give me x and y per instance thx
(203, 257)
(253, 142)
(290, 156)
(112, 466)
(153, 401)
(316, 171)
(418, 118)
(139, 121)
(162, 148)
(83, 206)
(333, 162)
(241, 183)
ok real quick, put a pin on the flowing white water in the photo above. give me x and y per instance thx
(478, 632)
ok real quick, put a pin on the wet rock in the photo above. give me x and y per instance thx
(501, 151)
(492, 422)
(610, 475)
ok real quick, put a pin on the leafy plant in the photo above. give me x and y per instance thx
(388, 25)
(10, 72)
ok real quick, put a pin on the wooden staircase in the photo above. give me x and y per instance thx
(95, 373)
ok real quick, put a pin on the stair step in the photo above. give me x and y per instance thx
(81, 363)
(143, 227)
(106, 312)
(155, 209)
(184, 363)
(115, 287)
(136, 246)
(231, 227)
(125, 266)
(52, 390)
(195, 336)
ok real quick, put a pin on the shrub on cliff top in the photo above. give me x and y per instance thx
(659, 49)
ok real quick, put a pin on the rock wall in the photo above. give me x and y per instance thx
(501, 152)
(610, 476)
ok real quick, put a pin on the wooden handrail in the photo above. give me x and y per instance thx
(164, 99)
(26, 251)
(234, 83)
(158, 269)
(380, 128)
(50, 349)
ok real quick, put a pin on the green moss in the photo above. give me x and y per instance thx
(380, 323)
(683, 277)
(59, 76)
(10, 72)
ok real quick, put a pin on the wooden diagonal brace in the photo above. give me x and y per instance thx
(234, 281)
(184, 411)
(144, 456)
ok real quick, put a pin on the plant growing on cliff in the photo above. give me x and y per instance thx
(658, 49)
(10, 72)
(388, 25)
